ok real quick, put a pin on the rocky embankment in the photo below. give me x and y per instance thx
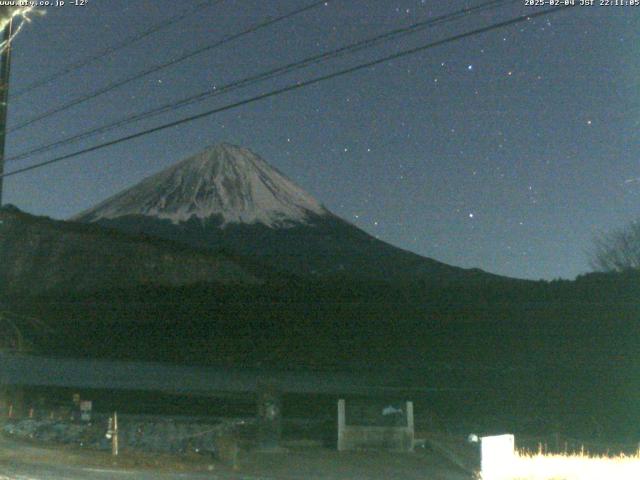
(136, 433)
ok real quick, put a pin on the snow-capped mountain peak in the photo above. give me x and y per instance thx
(227, 182)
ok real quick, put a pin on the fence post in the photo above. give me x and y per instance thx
(112, 433)
(410, 426)
(341, 423)
(114, 439)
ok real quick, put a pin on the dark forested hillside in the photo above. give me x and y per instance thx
(533, 349)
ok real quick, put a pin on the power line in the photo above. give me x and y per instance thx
(114, 48)
(162, 66)
(276, 72)
(295, 86)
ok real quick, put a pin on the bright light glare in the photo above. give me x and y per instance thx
(539, 466)
(20, 15)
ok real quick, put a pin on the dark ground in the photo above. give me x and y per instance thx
(20, 461)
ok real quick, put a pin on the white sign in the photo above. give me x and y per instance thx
(497, 457)
(85, 410)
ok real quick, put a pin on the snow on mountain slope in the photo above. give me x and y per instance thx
(224, 181)
(229, 199)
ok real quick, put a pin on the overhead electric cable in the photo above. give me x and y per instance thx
(114, 48)
(276, 72)
(162, 66)
(292, 87)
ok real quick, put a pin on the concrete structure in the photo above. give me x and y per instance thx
(266, 385)
(38, 371)
(388, 437)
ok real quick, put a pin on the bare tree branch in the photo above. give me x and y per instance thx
(617, 251)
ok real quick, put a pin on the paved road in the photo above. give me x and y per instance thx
(23, 462)
(19, 461)
(16, 471)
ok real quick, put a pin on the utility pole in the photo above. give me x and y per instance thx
(11, 397)
(5, 70)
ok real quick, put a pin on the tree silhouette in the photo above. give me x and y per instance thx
(618, 251)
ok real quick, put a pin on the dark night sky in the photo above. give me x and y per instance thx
(506, 151)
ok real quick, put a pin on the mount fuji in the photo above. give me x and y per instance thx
(228, 184)
(229, 199)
